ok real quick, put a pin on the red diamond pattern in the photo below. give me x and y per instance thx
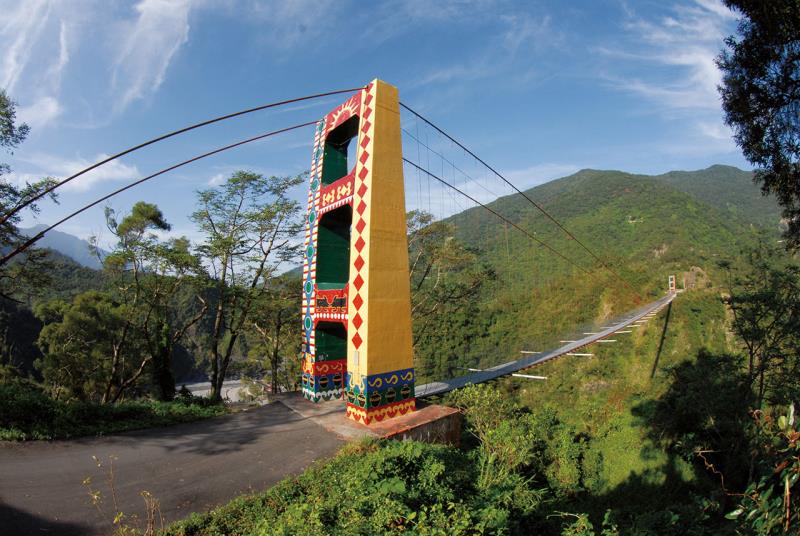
(357, 321)
(366, 126)
(359, 263)
(367, 113)
(365, 141)
(363, 173)
(362, 190)
(368, 99)
(360, 227)
(361, 208)
(358, 301)
(364, 157)
(357, 341)
(358, 282)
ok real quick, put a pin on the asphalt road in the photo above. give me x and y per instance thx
(188, 468)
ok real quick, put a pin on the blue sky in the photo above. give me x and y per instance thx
(538, 89)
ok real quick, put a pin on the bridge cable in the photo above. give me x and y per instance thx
(528, 234)
(5, 217)
(455, 167)
(534, 203)
(40, 234)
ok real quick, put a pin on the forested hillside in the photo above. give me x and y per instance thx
(643, 228)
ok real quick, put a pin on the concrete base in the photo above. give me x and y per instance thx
(429, 423)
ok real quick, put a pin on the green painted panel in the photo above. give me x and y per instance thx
(335, 163)
(331, 341)
(334, 157)
(333, 248)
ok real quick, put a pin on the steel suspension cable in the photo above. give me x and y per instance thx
(529, 235)
(33, 199)
(40, 234)
(523, 194)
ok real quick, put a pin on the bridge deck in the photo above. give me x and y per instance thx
(441, 387)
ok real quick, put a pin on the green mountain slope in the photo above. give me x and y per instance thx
(729, 189)
(642, 227)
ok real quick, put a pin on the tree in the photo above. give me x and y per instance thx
(88, 351)
(27, 271)
(445, 274)
(148, 273)
(761, 98)
(274, 329)
(764, 298)
(446, 281)
(250, 226)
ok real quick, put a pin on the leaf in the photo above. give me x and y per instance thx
(735, 514)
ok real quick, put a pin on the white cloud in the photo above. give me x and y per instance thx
(161, 28)
(686, 43)
(506, 37)
(40, 113)
(32, 62)
(60, 168)
(670, 62)
(217, 179)
(19, 34)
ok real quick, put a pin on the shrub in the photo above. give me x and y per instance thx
(28, 413)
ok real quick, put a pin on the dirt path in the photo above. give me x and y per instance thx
(188, 468)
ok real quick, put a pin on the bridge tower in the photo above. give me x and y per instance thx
(672, 286)
(356, 295)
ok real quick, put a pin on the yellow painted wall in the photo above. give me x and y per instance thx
(386, 313)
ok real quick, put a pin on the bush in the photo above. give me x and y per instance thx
(28, 413)
(368, 488)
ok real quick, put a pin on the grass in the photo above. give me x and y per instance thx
(29, 414)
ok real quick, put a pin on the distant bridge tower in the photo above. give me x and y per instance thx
(672, 286)
(356, 292)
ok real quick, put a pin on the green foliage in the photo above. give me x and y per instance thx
(147, 274)
(760, 96)
(770, 503)
(249, 224)
(520, 450)
(27, 272)
(29, 413)
(85, 345)
(535, 299)
(764, 299)
(274, 345)
(371, 488)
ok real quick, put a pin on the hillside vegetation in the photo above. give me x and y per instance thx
(643, 228)
(632, 440)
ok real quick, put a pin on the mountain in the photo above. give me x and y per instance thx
(66, 244)
(729, 189)
(641, 228)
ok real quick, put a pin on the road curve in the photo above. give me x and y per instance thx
(188, 467)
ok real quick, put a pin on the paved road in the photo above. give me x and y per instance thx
(189, 467)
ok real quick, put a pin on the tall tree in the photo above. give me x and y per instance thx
(25, 272)
(148, 273)
(446, 280)
(761, 98)
(250, 228)
(764, 298)
(88, 349)
(274, 330)
(445, 274)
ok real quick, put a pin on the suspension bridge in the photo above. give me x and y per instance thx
(450, 179)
